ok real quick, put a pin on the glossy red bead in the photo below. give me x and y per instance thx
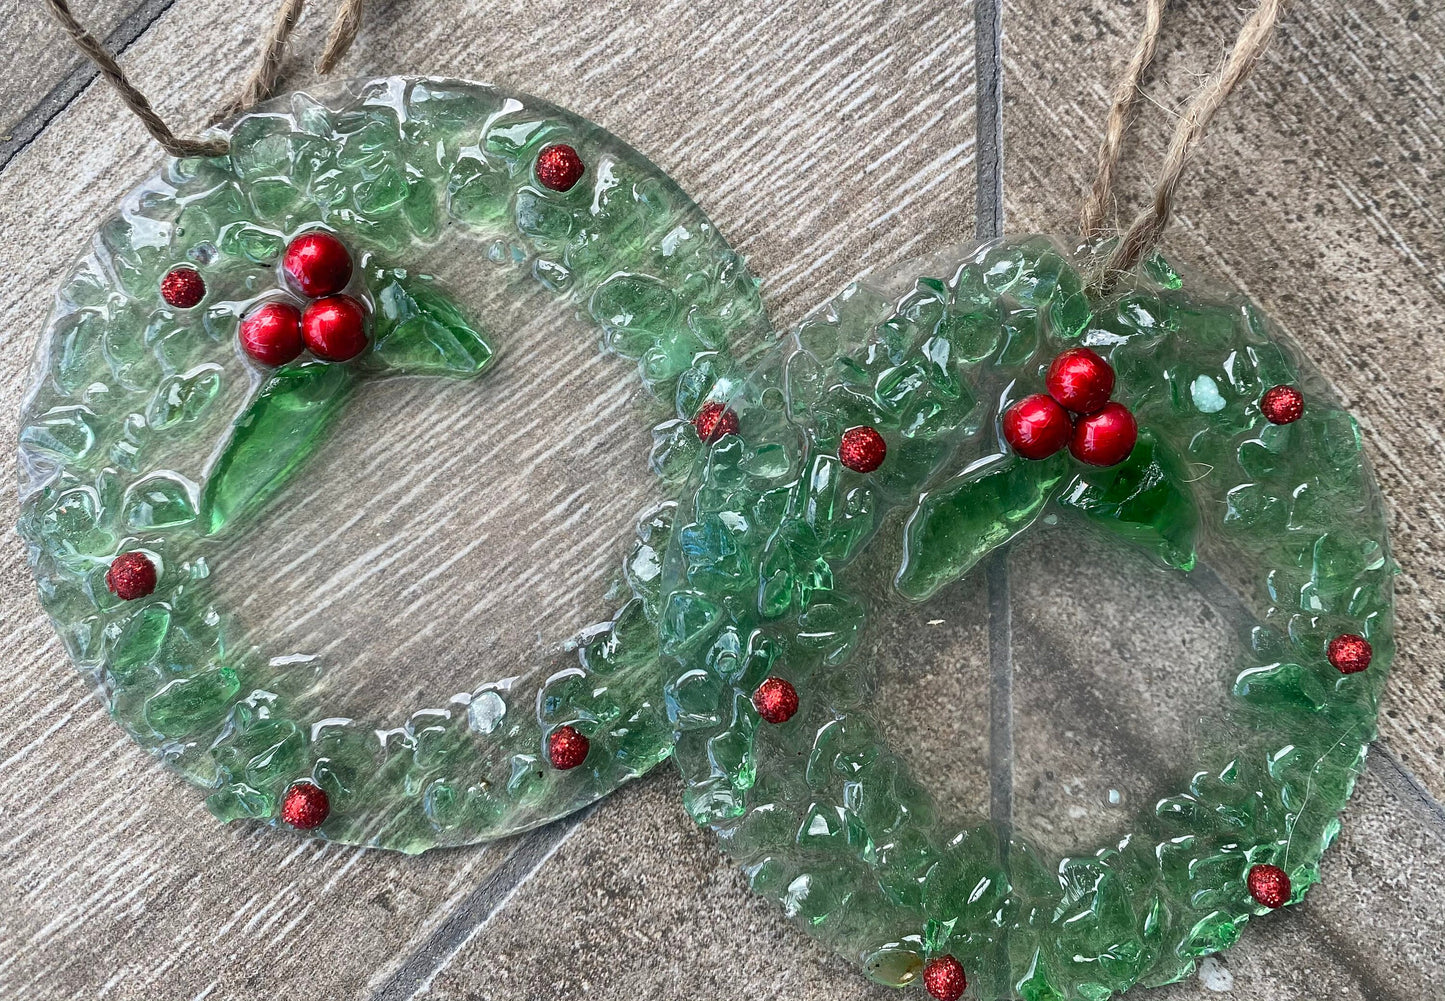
(944, 979)
(183, 287)
(1282, 405)
(271, 333)
(317, 264)
(1105, 438)
(559, 167)
(1349, 653)
(1269, 884)
(776, 700)
(1036, 427)
(305, 806)
(131, 576)
(334, 328)
(862, 449)
(567, 748)
(1080, 380)
(713, 420)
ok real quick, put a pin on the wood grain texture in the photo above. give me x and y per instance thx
(825, 139)
(46, 73)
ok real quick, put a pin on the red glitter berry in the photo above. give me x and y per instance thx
(775, 700)
(317, 264)
(183, 287)
(862, 449)
(1105, 438)
(1080, 380)
(1269, 884)
(271, 333)
(1282, 405)
(567, 748)
(305, 806)
(1349, 653)
(943, 978)
(713, 420)
(559, 167)
(334, 328)
(1036, 427)
(131, 576)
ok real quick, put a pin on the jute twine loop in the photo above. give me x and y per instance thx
(1126, 97)
(1148, 226)
(260, 85)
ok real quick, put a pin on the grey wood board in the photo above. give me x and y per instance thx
(825, 139)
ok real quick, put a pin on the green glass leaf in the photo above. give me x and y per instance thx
(271, 439)
(421, 331)
(955, 527)
(1143, 500)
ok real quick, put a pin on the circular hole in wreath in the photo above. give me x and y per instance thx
(447, 533)
(1118, 668)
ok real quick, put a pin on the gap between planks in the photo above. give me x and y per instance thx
(529, 853)
(69, 87)
(988, 224)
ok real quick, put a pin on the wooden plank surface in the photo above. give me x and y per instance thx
(826, 140)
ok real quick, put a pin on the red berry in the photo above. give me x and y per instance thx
(131, 576)
(1036, 427)
(1269, 884)
(559, 167)
(305, 806)
(713, 420)
(317, 264)
(862, 449)
(1080, 380)
(334, 328)
(1282, 405)
(943, 978)
(183, 287)
(775, 700)
(1350, 654)
(271, 333)
(1105, 438)
(567, 748)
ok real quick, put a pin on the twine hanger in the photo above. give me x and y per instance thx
(1144, 233)
(260, 85)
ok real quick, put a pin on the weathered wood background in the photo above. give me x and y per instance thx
(826, 139)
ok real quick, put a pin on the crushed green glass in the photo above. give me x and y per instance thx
(763, 578)
(149, 430)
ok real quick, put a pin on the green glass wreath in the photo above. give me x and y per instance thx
(151, 440)
(879, 426)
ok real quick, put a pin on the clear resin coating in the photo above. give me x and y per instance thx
(784, 557)
(150, 431)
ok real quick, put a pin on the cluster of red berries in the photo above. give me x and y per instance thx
(333, 325)
(1075, 411)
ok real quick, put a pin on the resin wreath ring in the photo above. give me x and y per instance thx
(198, 354)
(926, 421)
